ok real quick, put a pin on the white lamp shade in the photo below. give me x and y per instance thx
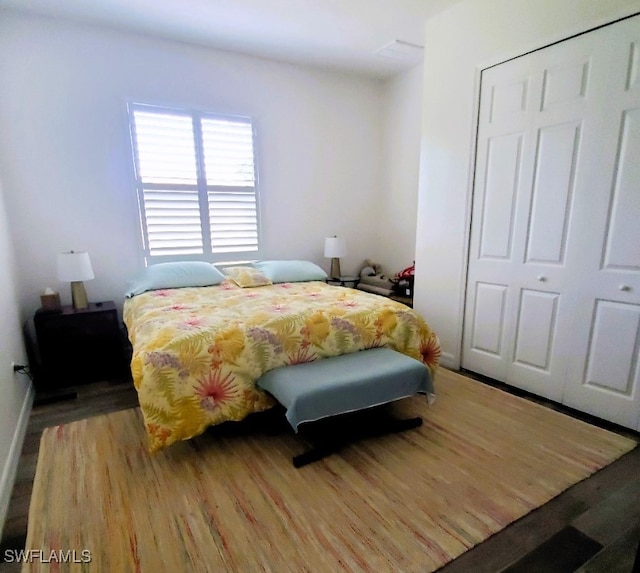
(73, 267)
(334, 247)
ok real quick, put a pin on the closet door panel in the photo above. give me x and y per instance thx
(488, 321)
(565, 83)
(610, 375)
(501, 184)
(623, 224)
(536, 329)
(612, 359)
(555, 161)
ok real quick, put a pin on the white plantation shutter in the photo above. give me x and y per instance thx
(196, 184)
(233, 220)
(166, 149)
(230, 173)
(228, 152)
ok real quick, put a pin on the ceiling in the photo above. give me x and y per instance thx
(340, 34)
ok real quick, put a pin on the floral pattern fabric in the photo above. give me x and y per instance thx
(248, 277)
(197, 352)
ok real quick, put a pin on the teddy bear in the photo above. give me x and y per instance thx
(370, 269)
(372, 279)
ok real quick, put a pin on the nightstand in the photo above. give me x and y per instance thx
(79, 346)
(408, 300)
(351, 282)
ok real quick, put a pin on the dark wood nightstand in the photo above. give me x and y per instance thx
(79, 346)
(408, 300)
(351, 282)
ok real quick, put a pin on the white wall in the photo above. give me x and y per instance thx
(65, 157)
(460, 42)
(401, 166)
(17, 395)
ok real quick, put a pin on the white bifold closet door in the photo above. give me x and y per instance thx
(553, 285)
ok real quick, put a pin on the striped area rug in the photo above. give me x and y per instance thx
(234, 502)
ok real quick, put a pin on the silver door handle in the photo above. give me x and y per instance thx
(624, 288)
(542, 278)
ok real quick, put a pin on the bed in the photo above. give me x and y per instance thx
(199, 350)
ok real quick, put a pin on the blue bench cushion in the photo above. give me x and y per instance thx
(345, 383)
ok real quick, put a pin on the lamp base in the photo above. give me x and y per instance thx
(79, 295)
(335, 268)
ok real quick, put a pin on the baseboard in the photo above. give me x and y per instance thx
(449, 361)
(10, 469)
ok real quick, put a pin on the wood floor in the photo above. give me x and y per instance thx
(594, 527)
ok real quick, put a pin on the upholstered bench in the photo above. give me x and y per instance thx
(348, 383)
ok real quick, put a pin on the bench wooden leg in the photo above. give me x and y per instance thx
(324, 448)
(392, 426)
(316, 453)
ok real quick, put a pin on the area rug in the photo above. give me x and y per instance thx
(230, 501)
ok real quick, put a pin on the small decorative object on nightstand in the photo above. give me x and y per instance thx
(50, 301)
(79, 346)
(351, 282)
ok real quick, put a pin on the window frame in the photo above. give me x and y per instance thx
(201, 187)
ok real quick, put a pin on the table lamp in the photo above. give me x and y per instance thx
(74, 268)
(334, 248)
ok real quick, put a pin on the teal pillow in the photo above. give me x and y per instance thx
(175, 275)
(291, 271)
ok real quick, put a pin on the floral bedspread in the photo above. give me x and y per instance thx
(197, 352)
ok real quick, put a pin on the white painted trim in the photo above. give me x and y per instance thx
(10, 469)
(448, 360)
(468, 208)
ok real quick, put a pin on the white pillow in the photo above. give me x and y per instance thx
(175, 275)
(291, 271)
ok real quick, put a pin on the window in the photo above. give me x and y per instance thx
(195, 175)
